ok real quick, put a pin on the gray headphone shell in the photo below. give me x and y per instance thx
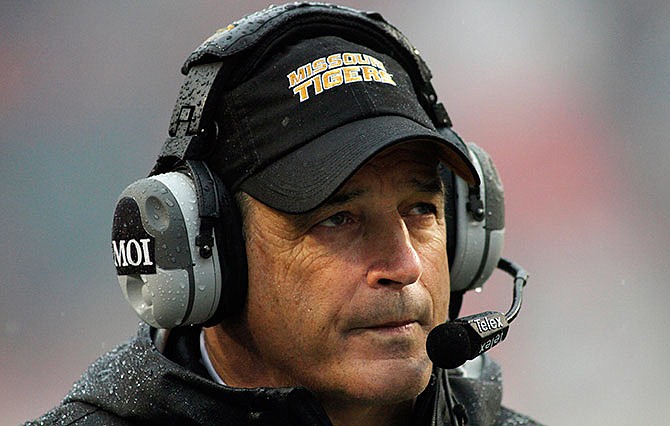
(184, 288)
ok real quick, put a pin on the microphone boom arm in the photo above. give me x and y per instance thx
(520, 280)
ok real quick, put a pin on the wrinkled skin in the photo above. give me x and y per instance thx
(341, 299)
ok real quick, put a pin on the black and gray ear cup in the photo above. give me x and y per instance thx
(168, 240)
(475, 223)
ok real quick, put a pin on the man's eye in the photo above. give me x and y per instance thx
(423, 209)
(338, 219)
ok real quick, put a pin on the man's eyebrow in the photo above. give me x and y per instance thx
(427, 186)
(304, 220)
(340, 198)
(432, 186)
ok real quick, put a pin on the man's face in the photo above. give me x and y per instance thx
(341, 299)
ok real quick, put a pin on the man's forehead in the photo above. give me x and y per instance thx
(416, 151)
(419, 178)
(409, 167)
(410, 162)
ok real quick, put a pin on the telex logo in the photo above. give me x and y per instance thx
(488, 344)
(489, 324)
(334, 70)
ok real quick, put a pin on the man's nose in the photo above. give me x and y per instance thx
(394, 259)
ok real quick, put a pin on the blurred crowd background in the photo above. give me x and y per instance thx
(571, 98)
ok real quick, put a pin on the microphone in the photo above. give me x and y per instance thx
(451, 344)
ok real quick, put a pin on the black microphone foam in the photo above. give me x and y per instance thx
(450, 344)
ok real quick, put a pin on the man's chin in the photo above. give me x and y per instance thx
(389, 381)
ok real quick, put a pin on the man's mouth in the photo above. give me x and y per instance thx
(403, 326)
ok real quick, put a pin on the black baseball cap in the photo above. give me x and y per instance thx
(311, 114)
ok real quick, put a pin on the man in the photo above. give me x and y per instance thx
(335, 168)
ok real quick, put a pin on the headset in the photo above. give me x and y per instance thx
(177, 236)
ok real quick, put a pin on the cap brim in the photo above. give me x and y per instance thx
(303, 179)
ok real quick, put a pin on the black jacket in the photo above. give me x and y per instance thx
(135, 384)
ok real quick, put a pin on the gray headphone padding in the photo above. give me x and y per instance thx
(479, 243)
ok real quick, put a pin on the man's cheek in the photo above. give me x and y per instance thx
(433, 254)
(435, 278)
